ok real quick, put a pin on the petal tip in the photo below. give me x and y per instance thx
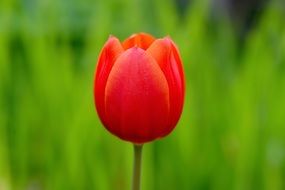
(111, 36)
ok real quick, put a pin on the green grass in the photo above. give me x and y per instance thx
(232, 131)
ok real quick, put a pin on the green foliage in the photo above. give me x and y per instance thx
(232, 131)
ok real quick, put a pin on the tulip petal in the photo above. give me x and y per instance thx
(141, 40)
(137, 97)
(178, 61)
(166, 55)
(111, 50)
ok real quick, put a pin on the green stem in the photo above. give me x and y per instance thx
(137, 166)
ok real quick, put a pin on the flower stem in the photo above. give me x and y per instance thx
(137, 167)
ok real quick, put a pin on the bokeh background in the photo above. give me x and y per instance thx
(232, 131)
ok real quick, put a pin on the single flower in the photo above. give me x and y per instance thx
(139, 87)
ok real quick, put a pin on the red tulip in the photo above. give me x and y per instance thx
(139, 87)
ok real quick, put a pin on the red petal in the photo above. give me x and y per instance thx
(178, 61)
(111, 50)
(137, 99)
(141, 40)
(166, 55)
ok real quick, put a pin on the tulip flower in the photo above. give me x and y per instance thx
(139, 87)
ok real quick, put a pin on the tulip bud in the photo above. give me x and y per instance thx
(139, 87)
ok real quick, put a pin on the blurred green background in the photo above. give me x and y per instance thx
(232, 131)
